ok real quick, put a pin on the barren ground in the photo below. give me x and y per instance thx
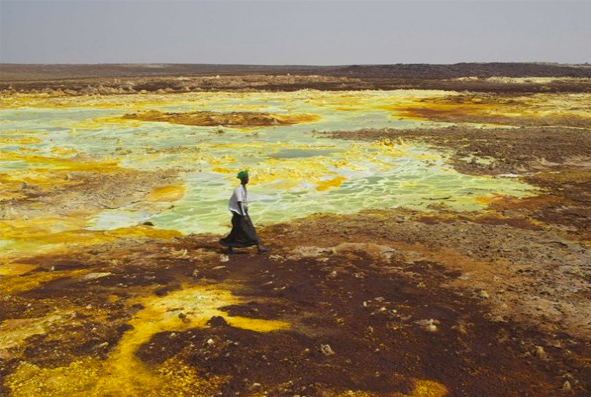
(379, 303)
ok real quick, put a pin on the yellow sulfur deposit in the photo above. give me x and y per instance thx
(14, 284)
(166, 193)
(428, 388)
(61, 234)
(547, 109)
(421, 388)
(30, 140)
(197, 304)
(122, 373)
(74, 164)
(334, 182)
(13, 332)
(16, 269)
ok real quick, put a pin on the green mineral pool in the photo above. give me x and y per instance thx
(296, 170)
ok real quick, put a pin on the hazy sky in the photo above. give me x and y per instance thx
(289, 32)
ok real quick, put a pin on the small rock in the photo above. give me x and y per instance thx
(184, 318)
(566, 386)
(224, 258)
(428, 325)
(210, 342)
(461, 328)
(541, 353)
(217, 321)
(326, 350)
(483, 294)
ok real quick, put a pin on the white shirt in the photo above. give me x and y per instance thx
(238, 195)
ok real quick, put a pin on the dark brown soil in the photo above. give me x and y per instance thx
(131, 78)
(371, 301)
(231, 119)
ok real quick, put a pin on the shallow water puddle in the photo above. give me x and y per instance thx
(122, 373)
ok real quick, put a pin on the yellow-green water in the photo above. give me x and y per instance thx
(295, 169)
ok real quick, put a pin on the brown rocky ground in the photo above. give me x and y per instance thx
(232, 119)
(484, 306)
(125, 79)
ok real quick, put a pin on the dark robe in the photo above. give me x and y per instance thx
(243, 233)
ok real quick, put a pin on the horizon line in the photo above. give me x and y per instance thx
(293, 65)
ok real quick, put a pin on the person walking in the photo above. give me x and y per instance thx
(243, 233)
